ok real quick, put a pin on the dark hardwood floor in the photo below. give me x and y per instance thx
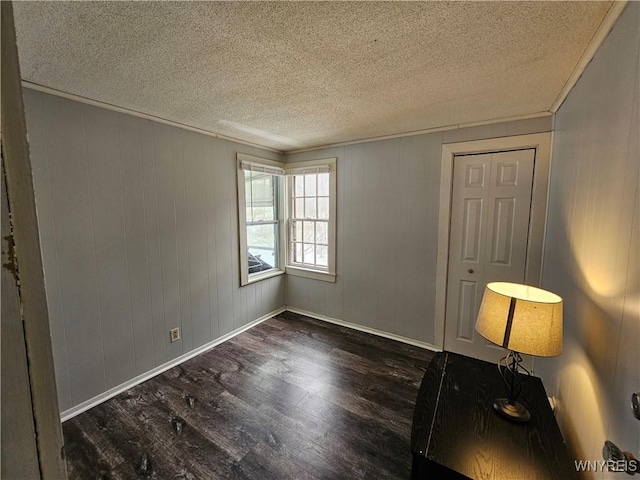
(292, 398)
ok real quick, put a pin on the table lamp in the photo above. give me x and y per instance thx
(522, 319)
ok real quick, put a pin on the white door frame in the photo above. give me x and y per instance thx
(537, 221)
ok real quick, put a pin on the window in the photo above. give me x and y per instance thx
(311, 202)
(260, 212)
(307, 244)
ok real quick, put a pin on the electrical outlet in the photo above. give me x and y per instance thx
(174, 334)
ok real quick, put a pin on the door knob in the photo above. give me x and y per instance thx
(471, 270)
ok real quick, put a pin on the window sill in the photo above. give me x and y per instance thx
(263, 276)
(313, 274)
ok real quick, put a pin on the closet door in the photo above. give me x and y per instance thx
(490, 209)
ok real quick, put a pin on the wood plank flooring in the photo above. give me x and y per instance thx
(292, 398)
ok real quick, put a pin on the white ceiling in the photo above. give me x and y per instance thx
(297, 75)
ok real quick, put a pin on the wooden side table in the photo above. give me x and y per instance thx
(456, 433)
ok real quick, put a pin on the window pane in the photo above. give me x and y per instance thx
(309, 215)
(309, 254)
(262, 247)
(263, 197)
(309, 208)
(296, 233)
(322, 255)
(299, 208)
(298, 186)
(310, 185)
(264, 213)
(321, 232)
(247, 193)
(309, 234)
(323, 208)
(323, 184)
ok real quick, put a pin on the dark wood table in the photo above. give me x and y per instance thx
(456, 433)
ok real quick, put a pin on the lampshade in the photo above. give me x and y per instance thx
(521, 318)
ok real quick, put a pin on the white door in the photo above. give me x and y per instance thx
(490, 207)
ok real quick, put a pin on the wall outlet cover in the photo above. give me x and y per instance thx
(174, 334)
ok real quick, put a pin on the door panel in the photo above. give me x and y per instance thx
(466, 307)
(502, 231)
(490, 208)
(471, 229)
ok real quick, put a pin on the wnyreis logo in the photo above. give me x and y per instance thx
(629, 466)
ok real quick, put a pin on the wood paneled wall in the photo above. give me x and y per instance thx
(139, 232)
(592, 254)
(387, 208)
(387, 232)
(138, 225)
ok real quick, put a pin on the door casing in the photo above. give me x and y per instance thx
(537, 222)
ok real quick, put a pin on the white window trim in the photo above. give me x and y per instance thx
(328, 275)
(245, 278)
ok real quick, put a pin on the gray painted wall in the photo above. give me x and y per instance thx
(593, 245)
(387, 232)
(139, 235)
(138, 225)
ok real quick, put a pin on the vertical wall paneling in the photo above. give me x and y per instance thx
(223, 213)
(391, 163)
(196, 199)
(136, 238)
(403, 242)
(152, 222)
(386, 238)
(139, 235)
(211, 246)
(355, 232)
(74, 238)
(155, 207)
(162, 136)
(111, 265)
(388, 208)
(372, 230)
(591, 252)
(335, 296)
(183, 244)
(423, 173)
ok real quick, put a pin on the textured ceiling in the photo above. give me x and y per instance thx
(297, 75)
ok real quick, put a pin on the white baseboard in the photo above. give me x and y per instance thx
(112, 392)
(373, 331)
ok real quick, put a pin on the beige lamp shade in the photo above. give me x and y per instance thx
(521, 318)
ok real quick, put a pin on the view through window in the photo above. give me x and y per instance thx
(309, 220)
(261, 194)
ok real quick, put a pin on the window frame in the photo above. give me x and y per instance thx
(296, 269)
(245, 277)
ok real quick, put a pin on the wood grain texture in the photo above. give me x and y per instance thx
(290, 398)
(455, 425)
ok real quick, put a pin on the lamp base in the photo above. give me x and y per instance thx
(515, 411)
